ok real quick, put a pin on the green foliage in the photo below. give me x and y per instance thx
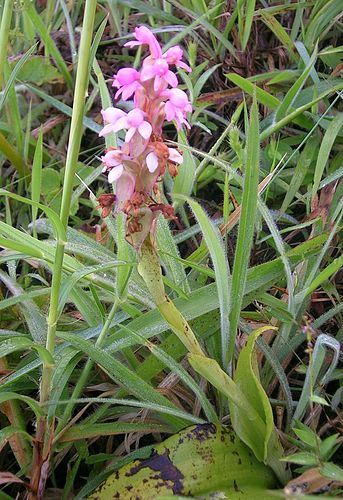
(263, 304)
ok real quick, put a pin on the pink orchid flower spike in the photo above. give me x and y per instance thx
(145, 37)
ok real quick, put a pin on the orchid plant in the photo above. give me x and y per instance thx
(136, 168)
(141, 161)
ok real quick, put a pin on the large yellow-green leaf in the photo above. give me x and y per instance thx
(250, 409)
(247, 379)
(198, 461)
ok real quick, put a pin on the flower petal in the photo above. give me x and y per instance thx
(115, 173)
(152, 162)
(111, 115)
(171, 78)
(125, 76)
(120, 124)
(106, 130)
(147, 73)
(130, 133)
(184, 66)
(175, 156)
(112, 158)
(170, 111)
(125, 187)
(145, 129)
(128, 90)
(132, 44)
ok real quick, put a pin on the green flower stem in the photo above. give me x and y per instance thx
(4, 33)
(86, 370)
(149, 268)
(76, 130)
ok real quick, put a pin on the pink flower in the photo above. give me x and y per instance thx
(175, 156)
(113, 164)
(127, 81)
(159, 70)
(133, 121)
(145, 37)
(111, 116)
(177, 106)
(174, 56)
(152, 159)
(125, 187)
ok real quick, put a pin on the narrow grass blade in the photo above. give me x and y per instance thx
(281, 249)
(246, 224)
(246, 10)
(278, 30)
(79, 431)
(215, 245)
(323, 343)
(325, 149)
(291, 95)
(262, 96)
(120, 373)
(14, 73)
(64, 108)
(36, 179)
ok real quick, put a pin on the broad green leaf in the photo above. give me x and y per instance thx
(126, 256)
(170, 256)
(54, 218)
(7, 432)
(191, 463)
(21, 344)
(35, 319)
(184, 181)
(247, 380)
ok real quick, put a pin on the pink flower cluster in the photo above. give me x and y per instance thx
(143, 158)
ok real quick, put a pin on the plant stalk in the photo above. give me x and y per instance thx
(149, 268)
(76, 130)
